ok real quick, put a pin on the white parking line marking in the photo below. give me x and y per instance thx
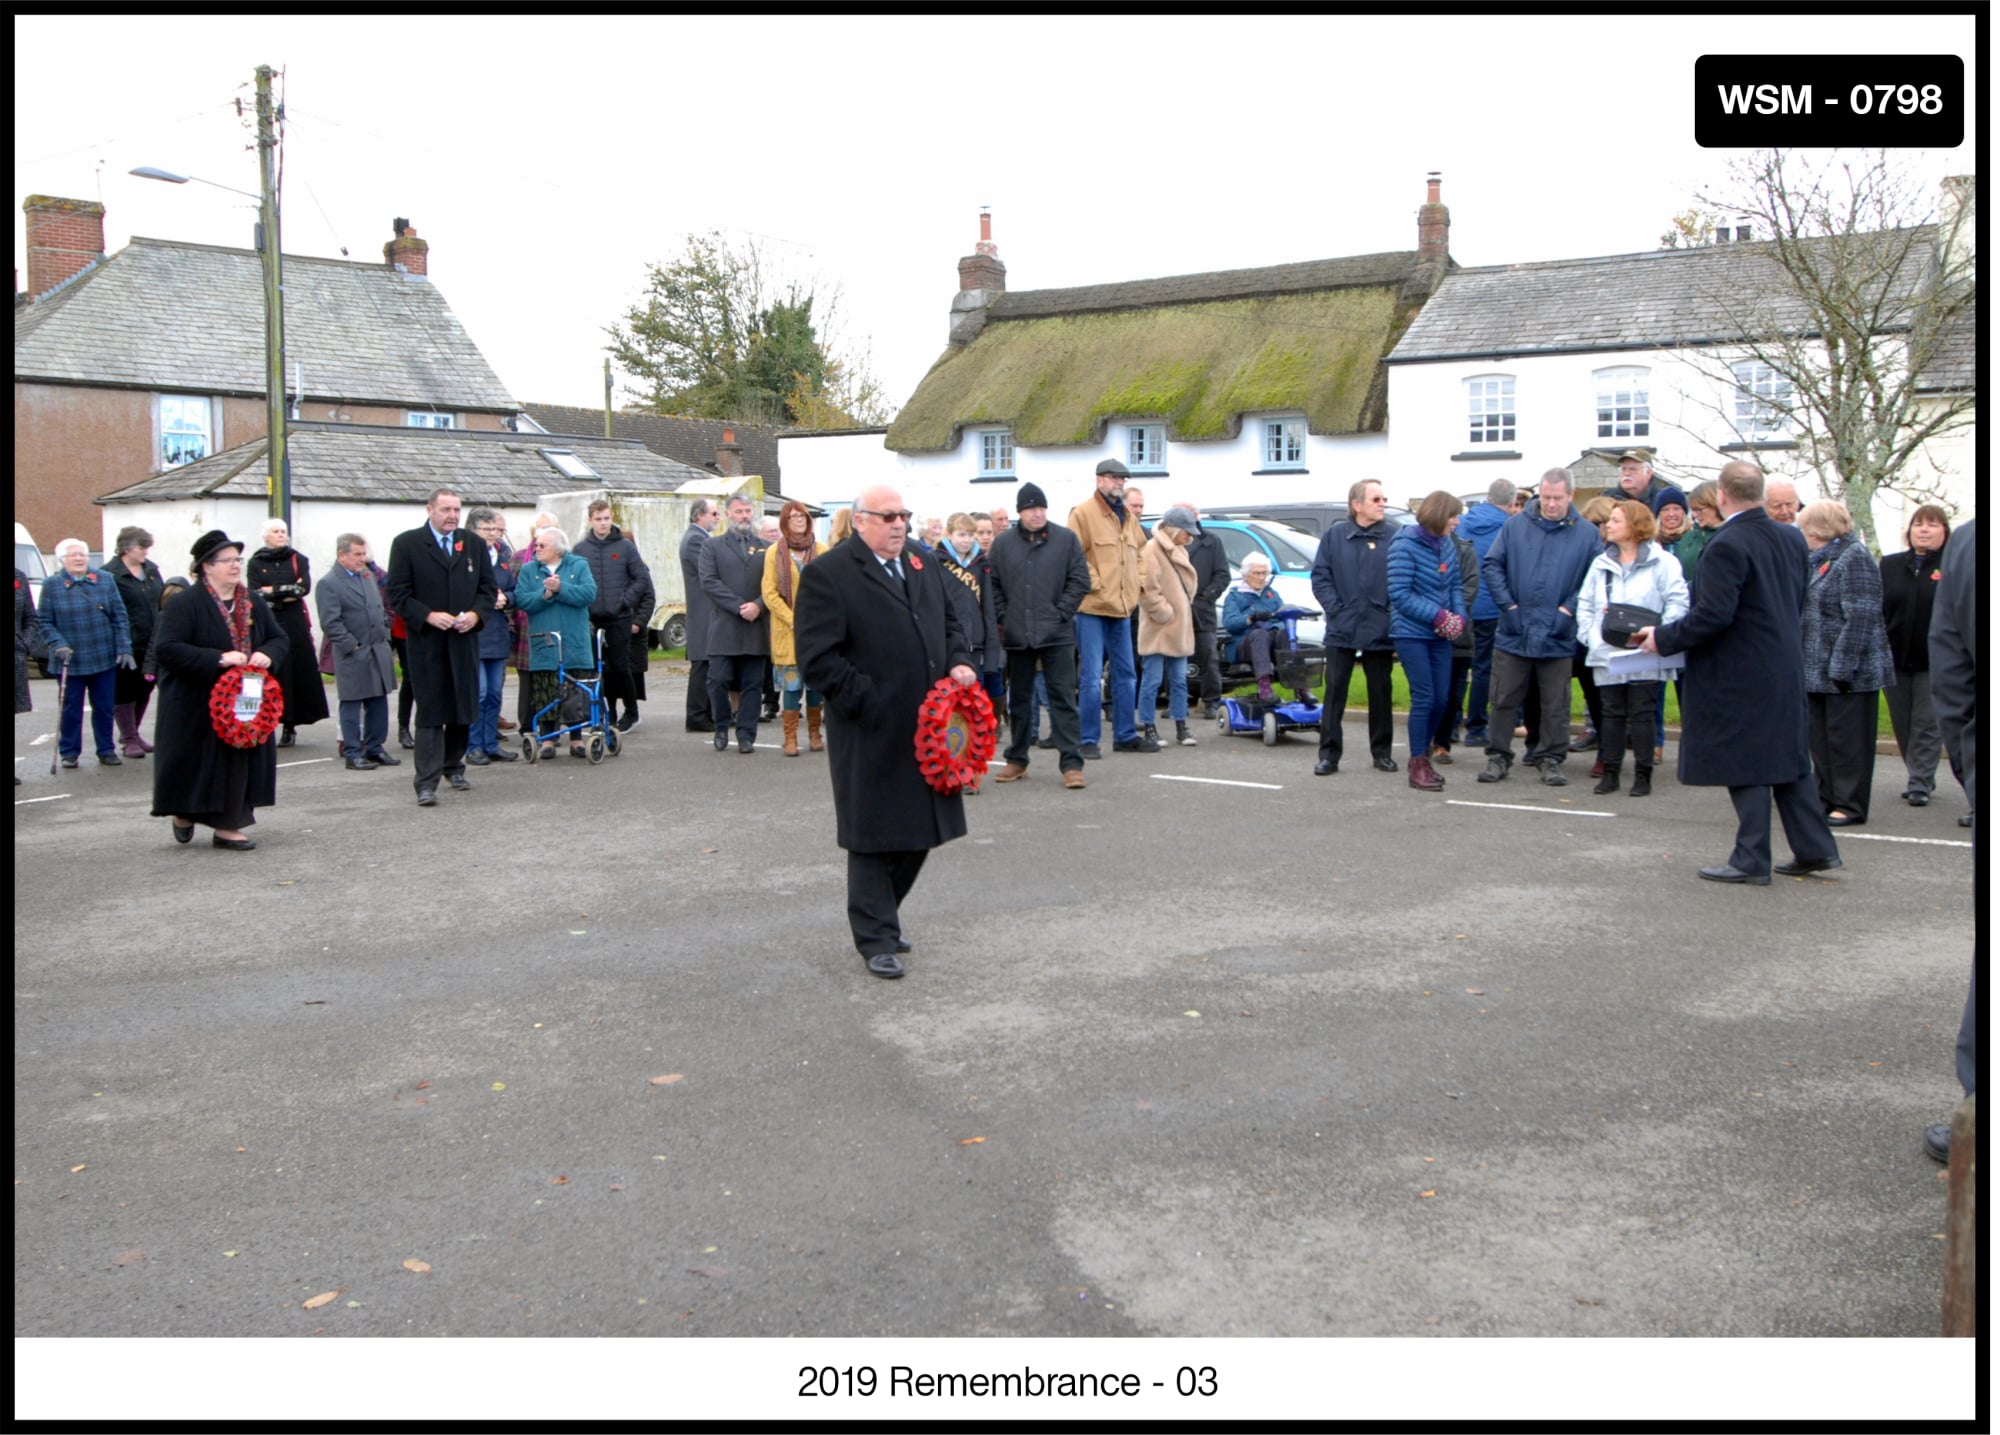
(1217, 781)
(305, 762)
(25, 801)
(1522, 807)
(1884, 837)
(38, 741)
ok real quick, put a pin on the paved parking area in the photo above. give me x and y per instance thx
(1254, 1054)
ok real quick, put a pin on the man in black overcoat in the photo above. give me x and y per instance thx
(1954, 645)
(702, 518)
(730, 568)
(443, 588)
(1745, 698)
(874, 634)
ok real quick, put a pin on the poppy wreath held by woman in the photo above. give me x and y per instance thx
(955, 736)
(245, 732)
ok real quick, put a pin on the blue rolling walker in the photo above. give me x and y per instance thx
(594, 718)
(1297, 667)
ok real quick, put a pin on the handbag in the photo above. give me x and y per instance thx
(575, 704)
(1622, 621)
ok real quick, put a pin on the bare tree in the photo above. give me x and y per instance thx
(1829, 327)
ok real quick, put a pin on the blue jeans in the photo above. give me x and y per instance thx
(1483, 630)
(1039, 706)
(102, 688)
(1094, 637)
(486, 730)
(1149, 687)
(364, 725)
(1427, 664)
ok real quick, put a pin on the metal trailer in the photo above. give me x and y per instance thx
(656, 522)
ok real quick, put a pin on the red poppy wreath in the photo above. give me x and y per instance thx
(955, 736)
(244, 732)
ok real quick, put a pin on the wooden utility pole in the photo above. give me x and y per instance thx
(607, 396)
(268, 245)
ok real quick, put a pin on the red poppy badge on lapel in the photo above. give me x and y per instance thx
(1936, 575)
(916, 563)
(1822, 569)
(458, 547)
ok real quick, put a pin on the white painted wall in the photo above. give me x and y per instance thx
(829, 469)
(1556, 408)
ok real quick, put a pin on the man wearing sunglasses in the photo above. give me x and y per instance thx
(874, 633)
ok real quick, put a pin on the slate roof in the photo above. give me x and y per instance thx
(160, 314)
(688, 441)
(1198, 351)
(1665, 298)
(372, 463)
(1954, 363)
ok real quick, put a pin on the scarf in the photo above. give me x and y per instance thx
(236, 612)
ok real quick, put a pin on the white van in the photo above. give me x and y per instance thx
(27, 557)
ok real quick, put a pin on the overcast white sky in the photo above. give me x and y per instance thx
(547, 161)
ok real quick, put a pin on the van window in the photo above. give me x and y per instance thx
(28, 559)
(1236, 545)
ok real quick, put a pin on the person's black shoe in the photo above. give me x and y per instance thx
(1089, 751)
(182, 834)
(427, 797)
(902, 947)
(234, 844)
(1048, 743)
(382, 759)
(1642, 785)
(1324, 768)
(1584, 743)
(360, 764)
(1552, 775)
(745, 743)
(110, 759)
(404, 739)
(1937, 1142)
(628, 722)
(1796, 868)
(1917, 799)
(1965, 820)
(1385, 764)
(477, 759)
(1726, 873)
(1209, 711)
(287, 738)
(1141, 743)
(1496, 769)
(700, 726)
(884, 964)
(1844, 819)
(722, 739)
(501, 754)
(458, 782)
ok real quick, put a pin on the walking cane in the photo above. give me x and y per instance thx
(62, 683)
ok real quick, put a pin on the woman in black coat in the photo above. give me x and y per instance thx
(282, 574)
(219, 624)
(1847, 660)
(140, 585)
(1909, 592)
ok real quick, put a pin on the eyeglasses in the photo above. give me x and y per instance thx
(896, 515)
(238, 558)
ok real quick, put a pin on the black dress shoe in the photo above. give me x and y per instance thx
(502, 754)
(234, 844)
(477, 759)
(722, 739)
(1324, 768)
(1089, 750)
(110, 759)
(458, 782)
(901, 946)
(1584, 743)
(1815, 864)
(1917, 799)
(745, 744)
(382, 759)
(884, 964)
(1965, 820)
(1937, 1142)
(695, 726)
(427, 797)
(360, 764)
(1047, 743)
(403, 739)
(183, 834)
(1385, 764)
(1726, 873)
(287, 738)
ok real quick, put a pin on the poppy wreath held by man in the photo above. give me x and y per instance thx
(251, 731)
(955, 736)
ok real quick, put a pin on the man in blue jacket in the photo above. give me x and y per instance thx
(1534, 571)
(1350, 578)
(1480, 526)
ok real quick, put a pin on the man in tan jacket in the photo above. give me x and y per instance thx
(1111, 539)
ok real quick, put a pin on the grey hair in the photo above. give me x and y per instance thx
(1254, 560)
(556, 536)
(742, 497)
(1500, 492)
(1177, 517)
(479, 515)
(345, 543)
(69, 543)
(702, 508)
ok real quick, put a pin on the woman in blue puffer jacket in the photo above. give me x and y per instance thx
(1427, 611)
(1250, 618)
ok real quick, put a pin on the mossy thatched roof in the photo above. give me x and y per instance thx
(1058, 373)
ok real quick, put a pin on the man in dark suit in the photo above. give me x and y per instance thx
(874, 633)
(1954, 645)
(702, 519)
(1746, 684)
(351, 616)
(442, 587)
(730, 571)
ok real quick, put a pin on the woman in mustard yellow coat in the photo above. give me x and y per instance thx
(783, 563)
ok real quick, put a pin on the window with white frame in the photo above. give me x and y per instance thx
(428, 420)
(1623, 407)
(1284, 443)
(1490, 400)
(187, 429)
(996, 454)
(1146, 447)
(1763, 400)
(565, 462)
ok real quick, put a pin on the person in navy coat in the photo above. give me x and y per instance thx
(441, 585)
(1746, 684)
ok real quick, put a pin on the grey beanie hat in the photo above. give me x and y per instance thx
(1179, 517)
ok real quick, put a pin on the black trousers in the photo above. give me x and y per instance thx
(1058, 665)
(698, 719)
(1593, 697)
(440, 750)
(1627, 720)
(1798, 809)
(745, 673)
(1843, 748)
(1548, 739)
(1375, 670)
(1208, 662)
(877, 883)
(406, 696)
(617, 657)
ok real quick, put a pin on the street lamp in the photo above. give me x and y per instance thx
(274, 294)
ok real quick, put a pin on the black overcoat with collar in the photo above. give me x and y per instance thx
(874, 649)
(1743, 702)
(423, 579)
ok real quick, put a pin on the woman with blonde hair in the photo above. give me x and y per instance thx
(784, 562)
(1848, 662)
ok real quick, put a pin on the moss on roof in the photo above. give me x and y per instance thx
(1200, 367)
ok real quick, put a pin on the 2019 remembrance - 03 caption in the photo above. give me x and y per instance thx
(861, 1380)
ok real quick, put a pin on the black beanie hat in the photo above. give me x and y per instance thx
(1030, 496)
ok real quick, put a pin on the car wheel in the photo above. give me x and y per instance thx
(1270, 729)
(675, 633)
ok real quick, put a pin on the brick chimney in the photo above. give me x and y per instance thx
(407, 252)
(65, 237)
(982, 278)
(1433, 225)
(729, 455)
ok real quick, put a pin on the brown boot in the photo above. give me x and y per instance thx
(1012, 772)
(1423, 776)
(791, 734)
(814, 740)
